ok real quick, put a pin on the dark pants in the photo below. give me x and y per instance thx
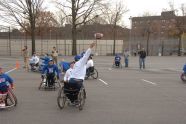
(89, 71)
(74, 85)
(126, 62)
(117, 63)
(50, 79)
(142, 63)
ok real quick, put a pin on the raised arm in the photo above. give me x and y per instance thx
(83, 60)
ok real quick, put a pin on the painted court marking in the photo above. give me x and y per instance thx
(103, 81)
(149, 82)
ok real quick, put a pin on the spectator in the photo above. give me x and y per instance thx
(54, 55)
(126, 58)
(142, 56)
(26, 57)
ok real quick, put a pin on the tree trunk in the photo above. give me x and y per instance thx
(33, 39)
(148, 37)
(114, 45)
(74, 31)
(74, 35)
(179, 46)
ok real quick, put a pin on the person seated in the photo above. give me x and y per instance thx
(64, 66)
(78, 73)
(51, 71)
(46, 59)
(4, 79)
(34, 61)
(117, 60)
(90, 66)
(184, 69)
(69, 72)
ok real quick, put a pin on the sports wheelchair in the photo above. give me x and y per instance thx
(10, 99)
(64, 92)
(92, 72)
(44, 84)
(117, 65)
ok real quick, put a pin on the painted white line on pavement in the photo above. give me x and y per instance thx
(103, 81)
(148, 82)
(110, 69)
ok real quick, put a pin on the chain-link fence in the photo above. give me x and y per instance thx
(64, 47)
(5, 41)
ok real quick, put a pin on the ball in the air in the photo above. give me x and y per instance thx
(98, 35)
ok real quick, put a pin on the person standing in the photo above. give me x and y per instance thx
(126, 58)
(142, 56)
(54, 55)
(26, 57)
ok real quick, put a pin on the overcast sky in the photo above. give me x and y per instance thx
(138, 7)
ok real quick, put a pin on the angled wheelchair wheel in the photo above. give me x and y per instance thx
(61, 99)
(81, 98)
(183, 77)
(94, 74)
(11, 99)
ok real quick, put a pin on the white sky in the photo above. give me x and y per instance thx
(138, 7)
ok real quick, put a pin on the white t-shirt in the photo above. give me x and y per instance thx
(79, 70)
(34, 59)
(90, 63)
(68, 74)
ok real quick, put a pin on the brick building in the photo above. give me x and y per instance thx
(158, 34)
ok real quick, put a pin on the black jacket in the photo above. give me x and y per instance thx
(142, 54)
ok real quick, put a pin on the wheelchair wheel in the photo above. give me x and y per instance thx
(95, 74)
(11, 99)
(81, 98)
(61, 99)
(183, 77)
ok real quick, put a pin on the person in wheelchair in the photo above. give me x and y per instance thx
(34, 61)
(90, 66)
(117, 60)
(51, 71)
(64, 66)
(184, 69)
(4, 79)
(78, 73)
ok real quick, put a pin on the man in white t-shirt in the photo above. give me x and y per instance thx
(78, 72)
(68, 72)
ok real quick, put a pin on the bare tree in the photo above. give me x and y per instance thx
(113, 15)
(20, 11)
(79, 12)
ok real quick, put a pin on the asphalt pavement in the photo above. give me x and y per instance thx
(155, 95)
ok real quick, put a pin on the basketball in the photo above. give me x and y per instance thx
(98, 35)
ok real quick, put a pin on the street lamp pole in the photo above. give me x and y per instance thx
(130, 37)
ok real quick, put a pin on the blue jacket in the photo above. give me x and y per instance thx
(184, 68)
(65, 66)
(46, 60)
(50, 69)
(117, 58)
(4, 79)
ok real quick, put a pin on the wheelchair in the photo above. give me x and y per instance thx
(44, 84)
(183, 77)
(91, 73)
(62, 98)
(10, 99)
(117, 65)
